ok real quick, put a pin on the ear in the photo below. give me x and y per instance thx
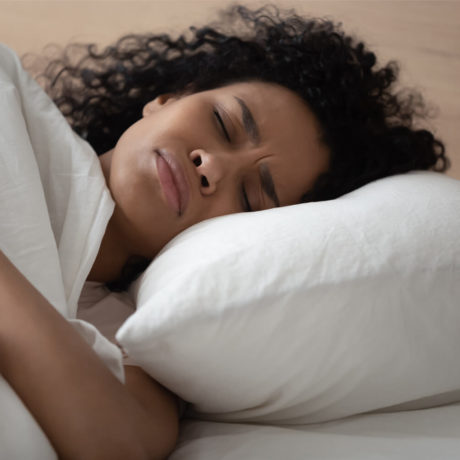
(157, 103)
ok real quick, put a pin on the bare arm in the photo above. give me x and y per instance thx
(83, 409)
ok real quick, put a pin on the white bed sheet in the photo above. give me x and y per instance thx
(428, 434)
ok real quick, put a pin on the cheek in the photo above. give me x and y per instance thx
(215, 207)
(129, 176)
(135, 188)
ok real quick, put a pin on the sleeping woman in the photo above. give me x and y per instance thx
(261, 110)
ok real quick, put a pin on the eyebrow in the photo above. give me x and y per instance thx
(252, 130)
(249, 124)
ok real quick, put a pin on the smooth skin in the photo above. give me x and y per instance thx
(84, 410)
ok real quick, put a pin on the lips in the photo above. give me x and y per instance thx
(173, 181)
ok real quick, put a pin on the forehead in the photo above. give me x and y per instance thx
(290, 135)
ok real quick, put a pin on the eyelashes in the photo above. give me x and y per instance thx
(222, 125)
(246, 204)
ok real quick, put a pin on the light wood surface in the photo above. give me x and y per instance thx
(423, 36)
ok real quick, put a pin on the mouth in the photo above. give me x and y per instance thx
(173, 181)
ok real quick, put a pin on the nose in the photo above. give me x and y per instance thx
(211, 169)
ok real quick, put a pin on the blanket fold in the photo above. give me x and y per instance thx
(54, 209)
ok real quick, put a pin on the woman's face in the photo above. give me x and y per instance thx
(245, 146)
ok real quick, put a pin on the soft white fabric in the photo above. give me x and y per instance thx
(67, 205)
(106, 311)
(311, 312)
(54, 208)
(430, 434)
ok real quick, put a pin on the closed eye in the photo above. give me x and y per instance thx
(222, 125)
(246, 204)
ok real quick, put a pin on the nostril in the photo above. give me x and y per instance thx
(197, 161)
(204, 181)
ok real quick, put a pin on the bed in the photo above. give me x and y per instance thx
(319, 331)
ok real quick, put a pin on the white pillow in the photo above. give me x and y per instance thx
(310, 312)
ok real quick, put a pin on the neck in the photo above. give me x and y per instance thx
(112, 254)
(111, 258)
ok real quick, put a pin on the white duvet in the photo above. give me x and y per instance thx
(54, 207)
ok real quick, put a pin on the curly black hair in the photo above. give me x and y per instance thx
(367, 125)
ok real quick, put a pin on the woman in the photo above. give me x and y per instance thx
(287, 110)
